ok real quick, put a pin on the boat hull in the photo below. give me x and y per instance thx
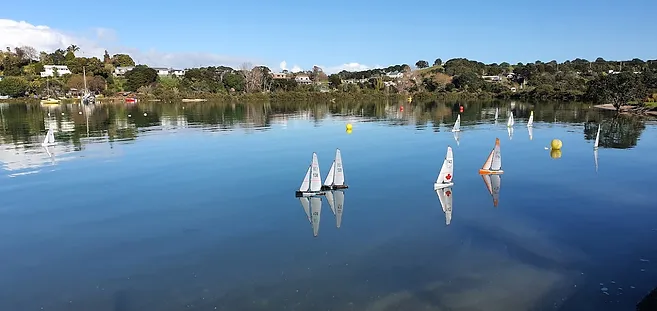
(299, 194)
(437, 186)
(334, 187)
(489, 172)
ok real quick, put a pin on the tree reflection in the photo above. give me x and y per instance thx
(619, 132)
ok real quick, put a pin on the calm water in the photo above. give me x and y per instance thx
(191, 207)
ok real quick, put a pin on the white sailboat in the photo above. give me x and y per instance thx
(493, 164)
(315, 213)
(497, 113)
(50, 138)
(597, 138)
(510, 122)
(493, 183)
(457, 138)
(335, 177)
(311, 184)
(510, 131)
(87, 97)
(446, 175)
(457, 125)
(530, 122)
(336, 202)
(530, 129)
(445, 197)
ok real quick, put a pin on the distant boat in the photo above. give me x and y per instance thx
(493, 183)
(597, 138)
(493, 164)
(50, 138)
(445, 197)
(130, 100)
(497, 113)
(457, 125)
(530, 129)
(336, 202)
(312, 183)
(335, 177)
(510, 122)
(4, 96)
(446, 175)
(530, 123)
(88, 97)
(50, 101)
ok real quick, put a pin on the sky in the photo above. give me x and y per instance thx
(336, 35)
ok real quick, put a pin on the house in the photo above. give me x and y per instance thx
(492, 78)
(278, 75)
(178, 72)
(120, 71)
(395, 74)
(49, 70)
(303, 79)
(161, 71)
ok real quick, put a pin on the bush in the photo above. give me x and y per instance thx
(13, 86)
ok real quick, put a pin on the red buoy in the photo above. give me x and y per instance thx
(460, 108)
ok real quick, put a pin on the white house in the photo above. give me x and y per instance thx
(178, 72)
(161, 71)
(119, 71)
(49, 70)
(395, 74)
(303, 79)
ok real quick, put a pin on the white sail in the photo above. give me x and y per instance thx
(510, 122)
(457, 125)
(446, 175)
(305, 203)
(457, 138)
(597, 137)
(305, 184)
(496, 164)
(338, 180)
(329, 178)
(530, 123)
(339, 207)
(315, 180)
(510, 131)
(497, 113)
(315, 212)
(531, 132)
(49, 140)
(445, 197)
(595, 158)
(331, 201)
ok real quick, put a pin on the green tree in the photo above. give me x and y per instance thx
(438, 62)
(106, 58)
(13, 86)
(422, 64)
(140, 76)
(334, 80)
(617, 89)
(122, 60)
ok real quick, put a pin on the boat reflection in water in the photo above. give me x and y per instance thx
(445, 197)
(336, 202)
(312, 206)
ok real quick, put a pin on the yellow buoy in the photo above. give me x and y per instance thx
(348, 131)
(556, 144)
(349, 127)
(555, 153)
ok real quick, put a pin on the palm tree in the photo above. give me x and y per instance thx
(72, 48)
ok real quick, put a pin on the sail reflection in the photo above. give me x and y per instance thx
(457, 137)
(530, 129)
(510, 131)
(336, 202)
(445, 197)
(493, 183)
(595, 158)
(313, 208)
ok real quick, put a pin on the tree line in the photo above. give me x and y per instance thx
(614, 82)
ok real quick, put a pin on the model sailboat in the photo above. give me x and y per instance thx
(493, 183)
(457, 125)
(311, 184)
(497, 113)
(493, 164)
(530, 122)
(335, 177)
(510, 122)
(50, 138)
(336, 202)
(446, 175)
(87, 97)
(445, 197)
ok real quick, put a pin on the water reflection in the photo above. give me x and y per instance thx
(530, 130)
(312, 206)
(335, 200)
(493, 183)
(445, 198)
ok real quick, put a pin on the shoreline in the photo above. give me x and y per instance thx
(628, 109)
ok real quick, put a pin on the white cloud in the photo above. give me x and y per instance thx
(283, 65)
(43, 38)
(296, 69)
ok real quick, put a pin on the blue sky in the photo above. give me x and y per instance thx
(332, 33)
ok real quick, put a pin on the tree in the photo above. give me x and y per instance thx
(617, 89)
(13, 86)
(438, 62)
(106, 58)
(122, 60)
(422, 64)
(140, 76)
(334, 80)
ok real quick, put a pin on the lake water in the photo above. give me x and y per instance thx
(165, 206)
